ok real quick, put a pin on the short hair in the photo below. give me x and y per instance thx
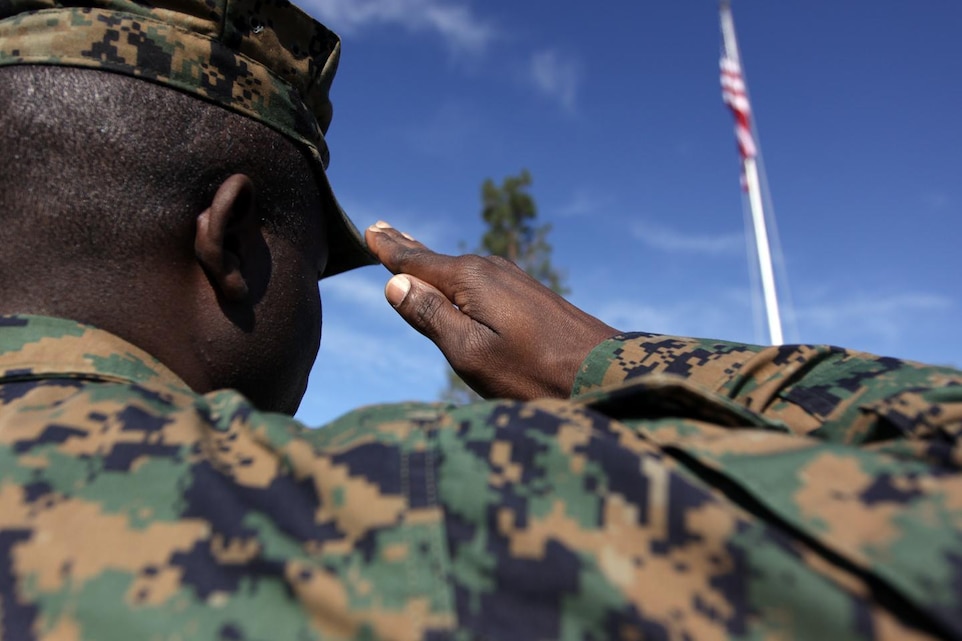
(101, 166)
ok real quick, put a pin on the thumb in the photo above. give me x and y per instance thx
(427, 310)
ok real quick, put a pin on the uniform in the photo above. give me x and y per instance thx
(688, 489)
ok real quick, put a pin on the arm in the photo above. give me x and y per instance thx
(717, 426)
(510, 337)
(826, 392)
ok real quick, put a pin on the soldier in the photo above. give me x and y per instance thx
(166, 216)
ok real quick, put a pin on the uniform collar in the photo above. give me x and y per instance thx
(34, 347)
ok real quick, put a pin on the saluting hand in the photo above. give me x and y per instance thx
(503, 332)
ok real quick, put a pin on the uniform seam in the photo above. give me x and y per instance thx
(158, 386)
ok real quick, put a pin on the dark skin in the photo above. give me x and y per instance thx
(259, 309)
(239, 308)
(505, 333)
(230, 305)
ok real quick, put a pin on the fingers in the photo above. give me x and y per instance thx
(391, 246)
(457, 277)
(428, 311)
(402, 254)
(500, 329)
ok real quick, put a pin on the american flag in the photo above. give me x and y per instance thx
(734, 95)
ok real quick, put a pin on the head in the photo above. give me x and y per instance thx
(163, 177)
(195, 232)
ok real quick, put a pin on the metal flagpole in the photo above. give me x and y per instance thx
(735, 95)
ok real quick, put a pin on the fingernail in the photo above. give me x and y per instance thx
(407, 235)
(397, 290)
(382, 225)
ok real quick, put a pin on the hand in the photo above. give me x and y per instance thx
(503, 332)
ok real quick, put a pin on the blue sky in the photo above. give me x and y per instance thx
(615, 109)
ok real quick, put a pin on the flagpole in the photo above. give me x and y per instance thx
(736, 96)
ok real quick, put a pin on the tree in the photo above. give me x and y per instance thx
(509, 212)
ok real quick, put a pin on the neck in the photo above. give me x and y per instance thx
(147, 312)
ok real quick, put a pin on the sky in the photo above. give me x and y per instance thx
(615, 109)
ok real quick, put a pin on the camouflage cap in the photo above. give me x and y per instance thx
(265, 59)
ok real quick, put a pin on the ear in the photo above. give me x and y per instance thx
(226, 235)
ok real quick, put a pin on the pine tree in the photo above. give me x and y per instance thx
(510, 214)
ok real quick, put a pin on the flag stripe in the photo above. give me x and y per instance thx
(735, 96)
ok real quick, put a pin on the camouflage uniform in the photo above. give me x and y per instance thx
(689, 489)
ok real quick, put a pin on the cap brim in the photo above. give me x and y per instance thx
(346, 247)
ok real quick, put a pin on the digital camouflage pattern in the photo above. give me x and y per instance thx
(265, 59)
(690, 489)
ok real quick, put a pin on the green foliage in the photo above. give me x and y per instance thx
(510, 214)
(510, 211)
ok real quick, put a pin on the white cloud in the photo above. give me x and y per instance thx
(360, 366)
(584, 203)
(429, 228)
(706, 319)
(882, 316)
(936, 200)
(446, 132)
(368, 353)
(881, 323)
(674, 241)
(383, 353)
(357, 288)
(455, 22)
(631, 315)
(556, 76)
